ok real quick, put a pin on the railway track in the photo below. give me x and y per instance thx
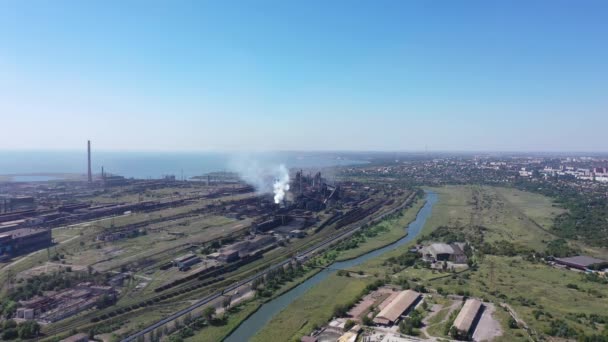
(301, 255)
(241, 277)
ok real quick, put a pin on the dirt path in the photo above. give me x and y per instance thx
(434, 311)
(454, 306)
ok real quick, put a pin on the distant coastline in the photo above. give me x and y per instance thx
(39, 166)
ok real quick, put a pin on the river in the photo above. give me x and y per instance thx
(261, 317)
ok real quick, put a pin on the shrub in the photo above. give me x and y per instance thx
(349, 324)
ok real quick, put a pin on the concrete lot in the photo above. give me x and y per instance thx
(488, 327)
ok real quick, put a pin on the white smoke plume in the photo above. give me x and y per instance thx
(264, 175)
(281, 184)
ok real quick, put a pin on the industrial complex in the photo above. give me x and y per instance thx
(157, 239)
(146, 259)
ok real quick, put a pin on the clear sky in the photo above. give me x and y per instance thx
(304, 75)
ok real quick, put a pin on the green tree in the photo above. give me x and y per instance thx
(208, 313)
(10, 334)
(9, 324)
(28, 329)
(349, 324)
(226, 302)
(340, 310)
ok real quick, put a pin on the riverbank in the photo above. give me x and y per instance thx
(237, 315)
(312, 310)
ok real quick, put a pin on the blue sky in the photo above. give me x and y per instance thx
(304, 75)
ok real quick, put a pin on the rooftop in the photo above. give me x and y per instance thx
(184, 257)
(467, 314)
(23, 232)
(442, 248)
(581, 260)
(395, 308)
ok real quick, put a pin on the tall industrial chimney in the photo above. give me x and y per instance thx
(89, 157)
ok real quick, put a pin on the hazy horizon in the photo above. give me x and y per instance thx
(393, 76)
(304, 151)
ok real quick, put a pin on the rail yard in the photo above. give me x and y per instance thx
(125, 244)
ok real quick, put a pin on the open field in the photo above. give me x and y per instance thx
(464, 207)
(526, 286)
(114, 254)
(65, 234)
(538, 208)
(509, 220)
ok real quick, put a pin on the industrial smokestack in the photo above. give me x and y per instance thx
(89, 160)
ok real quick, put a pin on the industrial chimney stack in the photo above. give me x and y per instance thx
(89, 159)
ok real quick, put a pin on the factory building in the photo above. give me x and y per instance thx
(23, 240)
(445, 252)
(271, 223)
(56, 306)
(16, 203)
(296, 233)
(468, 316)
(247, 247)
(580, 262)
(228, 255)
(25, 314)
(185, 261)
(402, 303)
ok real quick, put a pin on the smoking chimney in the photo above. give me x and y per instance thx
(89, 159)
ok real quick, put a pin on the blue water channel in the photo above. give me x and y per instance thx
(261, 317)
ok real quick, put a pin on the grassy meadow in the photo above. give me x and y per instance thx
(529, 287)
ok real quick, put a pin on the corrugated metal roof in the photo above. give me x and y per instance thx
(393, 310)
(442, 248)
(581, 260)
(467, 314)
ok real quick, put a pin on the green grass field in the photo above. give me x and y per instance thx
(528, 286)
(508, 214)
(537, 207)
